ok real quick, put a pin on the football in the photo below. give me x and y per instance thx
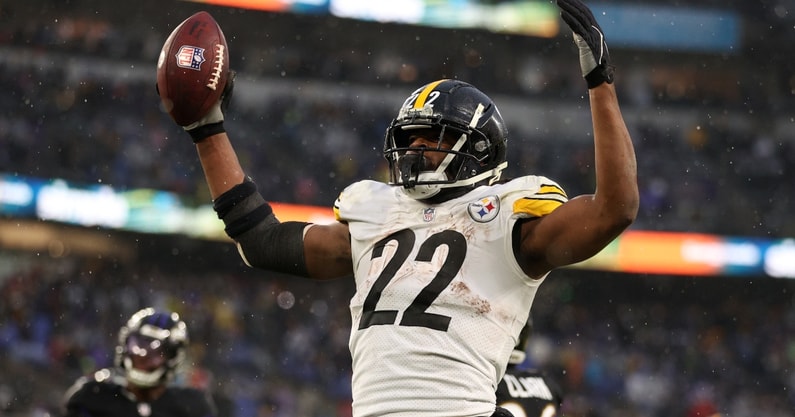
(193, 68)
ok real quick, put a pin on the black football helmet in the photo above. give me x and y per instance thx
(151, 346)
(451, 107)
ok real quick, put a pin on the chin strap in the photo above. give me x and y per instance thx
(425, 191)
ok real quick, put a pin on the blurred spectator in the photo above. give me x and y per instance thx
(151, 348)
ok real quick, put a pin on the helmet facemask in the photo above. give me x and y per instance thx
(151, 347)
(145, 364)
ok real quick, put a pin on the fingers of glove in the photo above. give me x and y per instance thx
(588, 36)
(585, 32)
(580, 26)
(215, 115)
(226, 97)
(579, 11)
(582, 34)
(574, 23)
(230, 82)
(581, 21)
(217, 112)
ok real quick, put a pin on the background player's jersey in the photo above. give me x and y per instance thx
(529, 393)
(440, 298)
(104, 395)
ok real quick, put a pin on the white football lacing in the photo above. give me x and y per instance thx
(215, 77)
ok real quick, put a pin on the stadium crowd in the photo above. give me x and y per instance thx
(90, 130)
(78, 105)
(714, 140)
(277, 346)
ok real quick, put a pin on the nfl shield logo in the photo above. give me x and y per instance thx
(190, 57)
(428, 214)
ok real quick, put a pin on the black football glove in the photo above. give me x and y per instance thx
(213, 122)
(589, 38)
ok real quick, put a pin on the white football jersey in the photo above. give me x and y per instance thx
(440, 299)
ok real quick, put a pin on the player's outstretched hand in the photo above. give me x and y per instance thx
(589, 38)
(213, 122)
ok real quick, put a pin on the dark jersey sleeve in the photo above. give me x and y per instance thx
(185, 402)
(90, 398)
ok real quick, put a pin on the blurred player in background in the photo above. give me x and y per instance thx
(446, 257)
(151, 346)
(527, 392)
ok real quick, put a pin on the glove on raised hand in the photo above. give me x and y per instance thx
(589, 38)
(213, 122)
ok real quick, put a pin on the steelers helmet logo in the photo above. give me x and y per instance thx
(485, 209)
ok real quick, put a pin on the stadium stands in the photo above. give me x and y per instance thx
(716, 154)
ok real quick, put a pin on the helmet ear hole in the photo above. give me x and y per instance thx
(480, 146)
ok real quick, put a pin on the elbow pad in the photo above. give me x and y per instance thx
(263, 241)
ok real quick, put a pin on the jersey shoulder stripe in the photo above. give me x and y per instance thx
(552, 190)
(351, 202)
(546, 198)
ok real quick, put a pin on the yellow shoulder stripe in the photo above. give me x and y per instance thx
(551, 189)
(535, 207)
(548, 198)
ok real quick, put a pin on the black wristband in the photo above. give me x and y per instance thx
(240, 225)
(203, 132)
(234, 196)
(600, 75)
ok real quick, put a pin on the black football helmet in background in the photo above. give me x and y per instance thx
(478, 156)
(151, 346)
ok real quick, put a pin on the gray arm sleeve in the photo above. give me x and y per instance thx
(263, 241)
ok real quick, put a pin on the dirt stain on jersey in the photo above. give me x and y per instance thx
(462, 290)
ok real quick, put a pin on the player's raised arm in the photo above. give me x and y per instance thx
(197, 99)
(195, 86)
(586, 224)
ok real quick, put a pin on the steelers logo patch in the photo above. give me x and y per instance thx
(485, 209)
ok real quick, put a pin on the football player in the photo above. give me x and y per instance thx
(527, 392)
(150, 348)
(446, 258)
